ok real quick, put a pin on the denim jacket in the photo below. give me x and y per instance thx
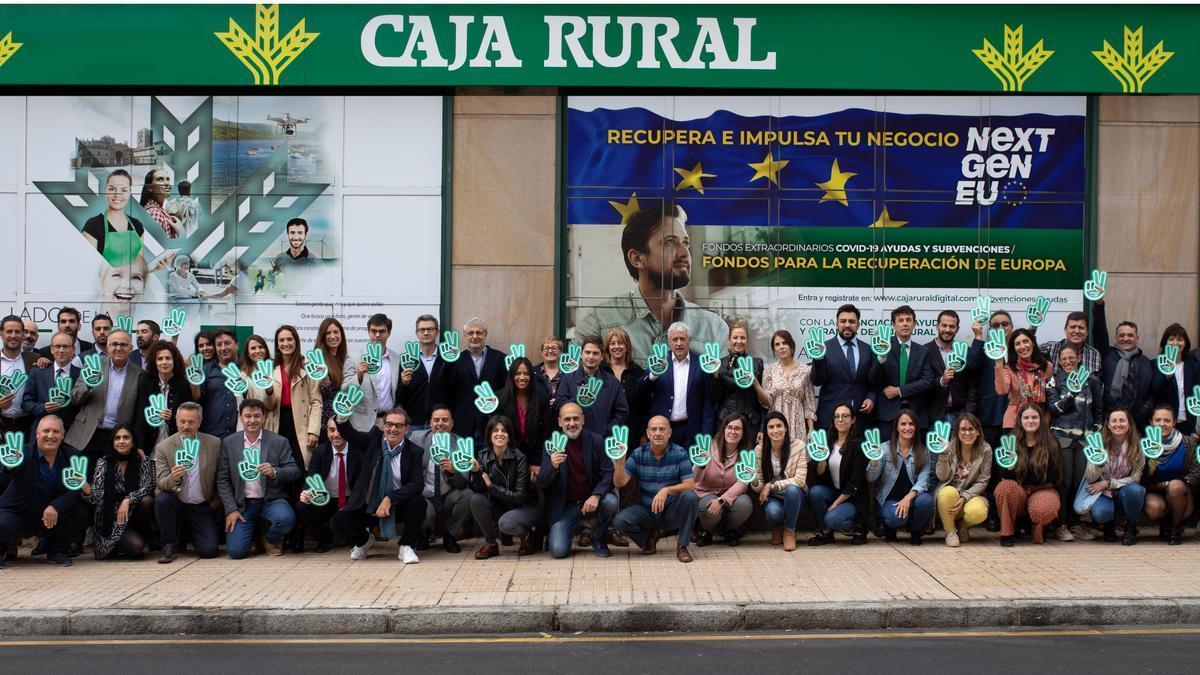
(887, 467)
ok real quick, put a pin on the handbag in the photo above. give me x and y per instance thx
(1083, 499)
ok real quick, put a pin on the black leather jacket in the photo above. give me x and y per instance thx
(509, 476)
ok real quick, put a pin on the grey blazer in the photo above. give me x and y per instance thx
(209, 459)
(364, 414)
(275, 451)
(91, 403)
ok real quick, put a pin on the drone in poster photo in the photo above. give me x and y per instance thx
(286, 124)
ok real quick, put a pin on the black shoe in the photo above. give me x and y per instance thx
(74, 550)
(451, 544)
(1110, 531)
(1130, 537)
(10, 553)
(60, 559)
(1008, 542)
(915, 540)
(889, 534)
(323, 547)
(602, 551)
(992, 525)
(821, 538)
(506, 539)
(703, 538)
(422, 544)
(733, 539)
(860, 536)
(40, 547)
(880, 530)
(1175, 536)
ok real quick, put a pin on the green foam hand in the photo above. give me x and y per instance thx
(12, 453)
(872, 449)
(344, 402)
(617, 443)
(1193, 402)
(439, 449)
(75, 476)
(1093, 448)
(1006, 454)
(248, 467)
(1151, 443)
(153, 412)
(589, 391)
(125, 323)
(710, 360)
(700, 451)
(93, 371)
(568, 362)
(745, 469)
(743, 374)
(818, 445)
(411, 356)
(373, 357)
(938, 438)
(1167, 360)
(60, 393)
(982, 311)
(195, 370)
(235, 381)
(317, 490)
(656, 362)
(448, 349)
(485, 399)
(881, 342)
(464, 455)
(9, 384)
(1036, 312)
(956, 360)
(814, 346)
(189, 454)
(262, 373)
(556, 443)
(1077, 379)
(172, 325)
(1094, 288)
(994, 347)
(314, 365)
(515, 351)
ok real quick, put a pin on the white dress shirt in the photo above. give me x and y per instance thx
(383, 384)
(254, 489)
(7, 366)
(112, 403)
(680, 371)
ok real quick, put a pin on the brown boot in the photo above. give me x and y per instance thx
(776, 536)
(651, 543)
(487, 551)
(683, 555)
(527, 547)
(789, 540)
(617, 539)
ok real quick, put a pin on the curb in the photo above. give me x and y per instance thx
(907, 614)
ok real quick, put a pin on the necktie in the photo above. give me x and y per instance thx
(341, 457)
(59, 374)
(850, 358)
(903, 365)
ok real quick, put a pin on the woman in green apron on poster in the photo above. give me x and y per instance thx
(116, 235)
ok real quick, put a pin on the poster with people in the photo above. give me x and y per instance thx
(776, 210)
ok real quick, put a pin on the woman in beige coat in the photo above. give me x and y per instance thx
(963, 471)
(296, 414)
(781, 480)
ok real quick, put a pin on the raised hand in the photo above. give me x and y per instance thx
(982, 311)
(439, 449)
(556, 443)
(956, 360)
(12, 453)
(195, 370)
(995, 347)
(1006, 454)
(262, 373)
(75, 476)
(617, 443)
(589, 391)
(448, 349)
(1093, 448)
(814, 346)
(700, 450)
(1094, 288)
(172, 325)
(125, 323)
(515, 351)
(745, 469)
(411, 356)
(568, 361)
(1077, 379)
(938, 438)
(315, 366)
(656, 362)
(153, 412)
(1151, 444)
(1035, 313)
(710, 360)
(881, 342)
(818, 445)
(1193, 402)
(743, 374)
(485, 399)
(93, 371)
(235, 381)
(60, 393)
(189, 454)
(1167, 360)
(464, 455)
(373, 357)
(344, 402)
(318, 493)
(871, 447)
(248, 467)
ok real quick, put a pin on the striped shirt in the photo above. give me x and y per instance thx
(655, 474)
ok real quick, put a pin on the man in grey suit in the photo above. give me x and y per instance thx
(189, 493)
(119, 399)
(447, 493)
(379, 389)
(262, 501)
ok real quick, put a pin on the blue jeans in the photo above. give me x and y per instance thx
(1130, 498)
(919, 512)
(277, 516)
(840, 517)
(563, 529)
(783, 508)
(680, 512)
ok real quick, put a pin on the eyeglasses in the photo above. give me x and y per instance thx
(394, 425)
(61, 346)
(426, 330)
(1001, 324)
(119, 345)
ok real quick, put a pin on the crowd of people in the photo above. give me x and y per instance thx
(126, 445)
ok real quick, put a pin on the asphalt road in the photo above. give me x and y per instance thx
(1102, 650)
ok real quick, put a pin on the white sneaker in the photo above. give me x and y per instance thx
(952, 539)
(1064, 534)
(408, 555)
(360, 552)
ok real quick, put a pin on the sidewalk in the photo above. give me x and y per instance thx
(751, 586)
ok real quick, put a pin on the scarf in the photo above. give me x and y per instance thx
(1121, 376)
(116, 489)
(1033, 388)
(383, 486)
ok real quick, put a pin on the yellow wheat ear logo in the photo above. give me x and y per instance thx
(1015, 65)
(265, 55)
(1133, 68)
(8, 48)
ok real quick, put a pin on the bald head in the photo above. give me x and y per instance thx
(570, 419)
(120, 344)
(658, 431)
(49, 434)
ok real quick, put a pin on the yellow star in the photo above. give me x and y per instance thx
(767, 168)
(886, 221)
(628, 209)
(835, 187)
(691, 179)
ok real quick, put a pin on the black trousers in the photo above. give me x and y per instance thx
(70, 527)
(355, 524)
(203, 523)
(317, 519)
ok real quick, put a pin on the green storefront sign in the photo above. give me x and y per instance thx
(1104, 49)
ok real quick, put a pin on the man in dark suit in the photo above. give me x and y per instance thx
(447, 492)
(954, 392)
(147, 333)
(388, 488)
(338, 464)
(36, 402)
(419, 390)
(683, 393)
(13, 360)
(478, 363)
(68, 322)
(904, 376)
(1128, 373)
(119, 399)
(577, 484)
(33, 499)
(844, 375)
(261, 505)
(185, 493)
(609, 406)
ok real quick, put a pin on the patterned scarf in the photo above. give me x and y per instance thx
(383, 487)
(1033, 387)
